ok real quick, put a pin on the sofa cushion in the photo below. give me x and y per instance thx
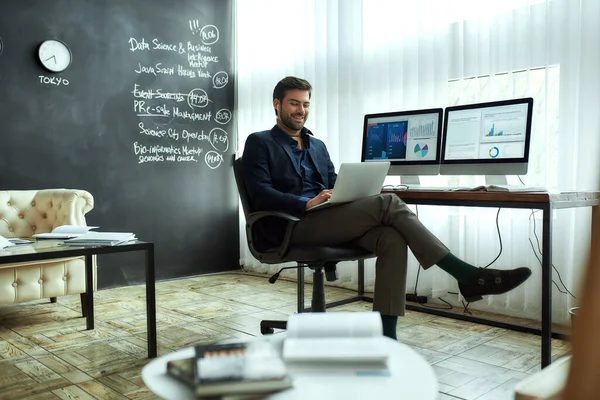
(27, 212)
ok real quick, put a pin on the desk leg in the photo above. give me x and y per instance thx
(300, 289)
(595, 221)
(150, 302)
(89, 291)
(546, 286)
(361, 277)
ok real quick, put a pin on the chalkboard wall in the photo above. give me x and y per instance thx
(141, 118)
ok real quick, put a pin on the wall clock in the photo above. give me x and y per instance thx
(54, 55)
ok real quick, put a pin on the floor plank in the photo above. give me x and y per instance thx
(46, 352)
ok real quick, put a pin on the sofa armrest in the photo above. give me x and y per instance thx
(70, 206)
(27, 212)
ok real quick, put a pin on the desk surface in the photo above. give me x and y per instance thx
(53, 249)
(410, 377)
(557, 200)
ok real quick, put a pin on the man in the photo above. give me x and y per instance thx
(287, 169)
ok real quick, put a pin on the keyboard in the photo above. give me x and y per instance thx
(427, 188)
(501, 188)
(415, 188)
(515, 188)
(481, 188)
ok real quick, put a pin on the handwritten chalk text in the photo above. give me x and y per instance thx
(53, 81)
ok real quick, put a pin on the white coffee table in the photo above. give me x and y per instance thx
(409, 377)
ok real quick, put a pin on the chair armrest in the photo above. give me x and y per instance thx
(285, 244)
(255, 216)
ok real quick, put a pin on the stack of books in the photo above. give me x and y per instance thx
(233, 369)
(101, 239)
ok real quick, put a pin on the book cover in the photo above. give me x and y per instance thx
(239, 368)
(183, 370)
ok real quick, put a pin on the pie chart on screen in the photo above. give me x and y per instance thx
(421, 150)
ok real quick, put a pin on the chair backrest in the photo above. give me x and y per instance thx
(238, 172)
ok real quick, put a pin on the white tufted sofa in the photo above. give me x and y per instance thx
(27, 212)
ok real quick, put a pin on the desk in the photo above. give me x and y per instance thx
(50, 249)
(411, 377)
(546, 202)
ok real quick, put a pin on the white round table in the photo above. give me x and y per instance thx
(409, 376)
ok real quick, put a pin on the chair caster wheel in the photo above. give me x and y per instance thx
(266, 330)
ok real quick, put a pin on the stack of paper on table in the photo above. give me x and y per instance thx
(101, 239)
(5, 242)
(20, 241)
(65, 232)
(509, 188)
(335, 337)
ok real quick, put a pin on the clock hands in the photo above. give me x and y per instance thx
(54, 55)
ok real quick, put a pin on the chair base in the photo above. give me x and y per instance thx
(318, 303)
(267, 327)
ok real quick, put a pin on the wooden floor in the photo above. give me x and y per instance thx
(46, 353)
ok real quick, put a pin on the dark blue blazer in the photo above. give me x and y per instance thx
(274, 181)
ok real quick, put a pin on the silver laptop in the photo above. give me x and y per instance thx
(356, 181)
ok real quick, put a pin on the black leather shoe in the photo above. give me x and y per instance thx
(493, 281)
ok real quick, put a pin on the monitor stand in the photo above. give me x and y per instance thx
(495, 180)
(410, 180)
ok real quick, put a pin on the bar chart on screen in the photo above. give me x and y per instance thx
(422, 128)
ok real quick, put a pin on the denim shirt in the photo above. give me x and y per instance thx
(312, 180)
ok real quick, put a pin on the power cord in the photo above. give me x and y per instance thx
(275, 276)
(566, 290)
(449, 307)
(499, 239)
(466, 306)
(537, 239)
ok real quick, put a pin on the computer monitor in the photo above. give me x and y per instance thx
(489, 139)
(410, 140)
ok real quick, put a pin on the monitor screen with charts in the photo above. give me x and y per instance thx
(409, 140)
(487, 138)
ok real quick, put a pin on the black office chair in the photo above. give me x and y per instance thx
(321, 259)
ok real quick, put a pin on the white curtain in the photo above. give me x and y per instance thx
(377, 56)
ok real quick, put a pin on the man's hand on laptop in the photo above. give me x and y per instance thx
(320, 198)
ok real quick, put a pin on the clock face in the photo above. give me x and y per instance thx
(54, 55)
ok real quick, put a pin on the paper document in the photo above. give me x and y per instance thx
(101, 239)
(335, 337)
(5, 242)
(65, 232)
(20, 241)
